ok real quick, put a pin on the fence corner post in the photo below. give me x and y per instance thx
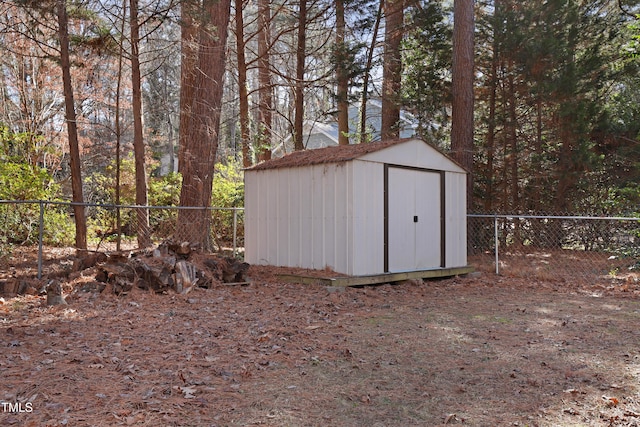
(40, 238)
(235, 231)
(496, 243)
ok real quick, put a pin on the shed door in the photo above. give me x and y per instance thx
(414, 218)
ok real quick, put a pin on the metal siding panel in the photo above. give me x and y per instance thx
(250, 229)
(280, 243)
(344, 248)
(367, 218)
(262, 237)
(307, 206)
(329, 217)
(268, 216)
(334, 241)
(456, 220)
(257, 205)
(318, 240)
(337, 241)
(347, 252)
(294, 216)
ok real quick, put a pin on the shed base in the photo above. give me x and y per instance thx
(376, 278)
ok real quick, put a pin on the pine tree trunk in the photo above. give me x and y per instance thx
(203, 70)
(298, 121)
(491, 134)
(142, 214)
(362, 126)
(342, 76)
(189, 49)
(72, 128)
(265, 91)
(243, 95)
(392, 69)
(462, 87)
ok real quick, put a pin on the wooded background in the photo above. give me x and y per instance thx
(102, 98)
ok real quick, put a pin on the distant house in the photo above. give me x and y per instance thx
(321, 135)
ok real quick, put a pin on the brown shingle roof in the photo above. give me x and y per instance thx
(334, 154)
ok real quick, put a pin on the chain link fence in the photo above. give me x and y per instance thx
(569, 248)
(110, 227)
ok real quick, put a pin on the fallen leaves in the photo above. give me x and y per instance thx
(282, 354)
(610, 401)
(189, 392)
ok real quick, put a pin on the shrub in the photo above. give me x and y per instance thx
(228, 192)
(20, 221)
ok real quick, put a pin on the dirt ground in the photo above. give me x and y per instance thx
(477, 351)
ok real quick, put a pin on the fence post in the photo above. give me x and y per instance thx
(40, 238)
(496, 242)
(235, 232)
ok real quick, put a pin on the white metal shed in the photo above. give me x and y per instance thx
(365, 209)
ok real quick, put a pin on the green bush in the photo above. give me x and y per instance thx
(20, 221)
(228, 192)
(164, 191)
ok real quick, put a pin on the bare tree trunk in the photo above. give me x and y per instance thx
(142, 215)
(72, 128)
(189, 48)
(491, 134)
(362, 128)
(391, 69)
(203, 69)
(118, 127)
(243, 93)
(342, 77)
(512, 134)
(462, 87)
(298, 122)
(265, 91)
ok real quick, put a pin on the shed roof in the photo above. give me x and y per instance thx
(334, 154)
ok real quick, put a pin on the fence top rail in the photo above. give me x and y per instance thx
(579, 217)
(112, 206)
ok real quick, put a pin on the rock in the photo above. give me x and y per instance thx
(54, 294)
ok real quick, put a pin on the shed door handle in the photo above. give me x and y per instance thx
(415, 218)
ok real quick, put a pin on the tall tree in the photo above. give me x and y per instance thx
(301, 55)
(243, 92)
(342, 76)
(189, 45)
(142, 214)
(426, 52)
(392, 68)
(362, 125)
(462, 89)
(204, 40)
(265, 91)
(72, 129)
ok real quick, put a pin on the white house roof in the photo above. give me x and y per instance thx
(333, 154)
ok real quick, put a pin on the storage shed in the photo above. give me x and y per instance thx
(366, 209)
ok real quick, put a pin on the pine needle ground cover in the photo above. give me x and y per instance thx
(478, 351)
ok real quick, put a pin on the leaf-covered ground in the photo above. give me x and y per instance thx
(479, 351)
